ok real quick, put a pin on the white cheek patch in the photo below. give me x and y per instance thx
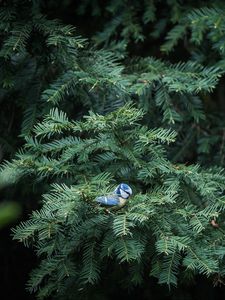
(130, 191)
(124, 195)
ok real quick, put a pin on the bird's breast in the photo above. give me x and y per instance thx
(122, 202)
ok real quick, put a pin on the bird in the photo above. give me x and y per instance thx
(118, 198)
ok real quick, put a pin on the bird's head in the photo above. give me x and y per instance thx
(123, 190)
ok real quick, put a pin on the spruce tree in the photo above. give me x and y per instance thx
(166, 230)
(92, 113)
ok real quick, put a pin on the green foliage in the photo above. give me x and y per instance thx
(173, 87)
(165, 225)
(130, 23)
(66, 103)
(206, 25)
(43, 62)
(9, 212)
(46, 63)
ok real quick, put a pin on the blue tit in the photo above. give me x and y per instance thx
(119, 197)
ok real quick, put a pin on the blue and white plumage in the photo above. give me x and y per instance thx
(123, 190)
(118, 199)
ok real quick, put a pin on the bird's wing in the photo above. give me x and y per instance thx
(108, 200)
